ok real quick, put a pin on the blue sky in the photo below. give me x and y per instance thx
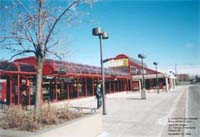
(166, 31)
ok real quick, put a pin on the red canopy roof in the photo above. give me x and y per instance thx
(68, 68)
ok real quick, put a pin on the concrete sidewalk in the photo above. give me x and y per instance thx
(129, 116)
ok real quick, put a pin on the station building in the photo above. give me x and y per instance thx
(66, 80)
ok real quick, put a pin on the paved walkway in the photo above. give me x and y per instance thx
(193, 111)
(128, 116)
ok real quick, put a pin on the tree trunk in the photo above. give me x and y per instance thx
(40, 58)
(39, 86)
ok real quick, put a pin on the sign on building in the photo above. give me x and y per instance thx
(118, 63)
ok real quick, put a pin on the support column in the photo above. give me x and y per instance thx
(140, 85)
(77, 88)
(70, 90)
(118, 86)
(67, 90)
(92, 86)
(174, 84)
(11, 91)
(56, 95)
(109, 86)
(18, 90)
(125, 83)
(131, 85)
(167, 84)
(128, 86)
(114, 86)
(29, 96)
(85, 85)
(121, 84)
(28, 91)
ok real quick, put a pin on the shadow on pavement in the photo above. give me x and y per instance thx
(134, 99)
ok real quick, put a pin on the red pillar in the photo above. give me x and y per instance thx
(131, 85)
(128, 85)
(56, 88)
(121, 86)
(11, 90)
(28, 92)
(77, 88)
(118, 86)
(18, 90)
(85, 86)
(125, 86)
(68, 91)
(109, 87)
(92, 86)
(114, 86)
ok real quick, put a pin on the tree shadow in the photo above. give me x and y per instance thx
(130, 98)
(134, 98)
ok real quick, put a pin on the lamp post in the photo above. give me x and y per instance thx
(102, 35)
(156, 66)
(143, 92)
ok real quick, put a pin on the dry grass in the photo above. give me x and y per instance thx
(25, 120)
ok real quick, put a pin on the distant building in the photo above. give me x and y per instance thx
(124, 63)
(67, 80)
(182, 77)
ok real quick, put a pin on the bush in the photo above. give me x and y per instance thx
(66, 114)
(28, 123)
(25, 120)
(16, 118)
(48, 117)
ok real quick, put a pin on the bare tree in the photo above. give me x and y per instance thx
(29, 26)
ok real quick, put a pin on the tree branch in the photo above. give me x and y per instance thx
(9, 44)
(22, 5)
(30, 17)
(57, 19)
(55, 54)
(22, 52)
(15, 37)
(54, 44)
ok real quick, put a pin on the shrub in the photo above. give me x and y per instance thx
(48, 117)
(28, 122)
(66, 114)
(17, 118)
(25, 120)
(11, 118)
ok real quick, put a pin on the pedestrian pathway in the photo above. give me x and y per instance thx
(129, 116)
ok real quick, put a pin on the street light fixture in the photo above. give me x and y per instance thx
(102, 35)
(156, 65)
(143, 92)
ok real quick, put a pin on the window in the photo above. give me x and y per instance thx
(8, 66)
(27, 68)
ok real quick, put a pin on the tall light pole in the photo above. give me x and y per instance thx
(156, 66)
(143, 92)
(102, 35)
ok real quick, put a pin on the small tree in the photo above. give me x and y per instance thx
(29, 26)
